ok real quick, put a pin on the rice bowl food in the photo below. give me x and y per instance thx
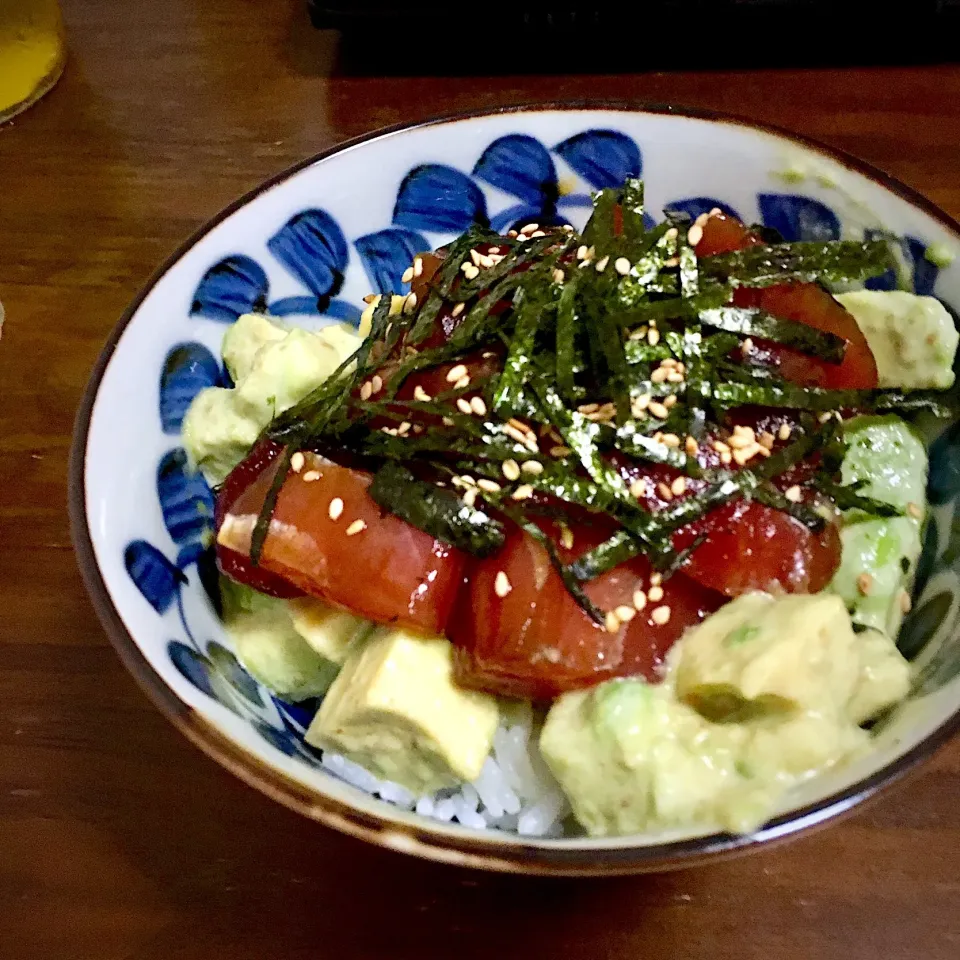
(670, 572)
(606, 530)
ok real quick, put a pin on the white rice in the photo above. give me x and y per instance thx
(515, 791)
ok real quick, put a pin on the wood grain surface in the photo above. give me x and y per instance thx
(117, 838)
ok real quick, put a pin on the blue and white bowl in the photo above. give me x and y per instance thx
(307, 246)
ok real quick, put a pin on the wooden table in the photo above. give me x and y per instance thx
(120, 840)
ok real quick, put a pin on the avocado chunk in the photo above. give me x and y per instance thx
(631, 757)
(332, 632)
(887, 462)
(887, 459)
(273, 369)
(876, 561)
(396, 711)
(268, 646)
(244, 338)
(912, 338)
(768, 655)
(884, 677)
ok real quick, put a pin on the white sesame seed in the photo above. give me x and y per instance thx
(420, 394)
(637, 489)
(668, 362)
(643, 401)
(511, 469)
(660, 616)
(530, 228)
(690, 445)
(659, 375)
(747, 346)
(358, 526)
(725, 458)
(784, 432)
(639, 599)
(566, 538)
(622, 266)
(567, 228)
(478, 406)
(521, 426)
(670, 401)
(612, 622)
(674, 376)
(742, 455)
(404, 428)
(467, 480)
(588, 408)
(905, 602)
(664, 491)
(670, 440)
(582, 252)
(767, 440)
(864, 583)
(671, 234)
(560, 451)
(407, 275)
(537, 233)
(475, 257)
(602, 264)
(512, 233)
(491, 486)
(457, 309)
(533, 467)
(470, 271)
(625, 614)
(558, 275)
(716, 212)
(523, 492)
(501, 584)
(335, 508)
(720, 446)
(462, 383)
(739, 441)
(694, 235)
(655, 594)
(514, 434)
(679, 486)
(410, 304)
(656, 578)
(417, 266)
(366, 391)
(794, 494)
(486, 262)
(653, 336)
(915, 510)
(701, 221)
(672, 262)
(470, 497)
(447, 422)
(297, 461)
(658, 410)
(310, 476)
(463, 405)
(455, 373)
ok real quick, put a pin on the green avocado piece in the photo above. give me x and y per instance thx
(267, 645)
(396, 711)
(912, 338)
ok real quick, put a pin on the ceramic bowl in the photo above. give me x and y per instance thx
(307, 246)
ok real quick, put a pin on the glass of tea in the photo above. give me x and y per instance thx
(32, 52)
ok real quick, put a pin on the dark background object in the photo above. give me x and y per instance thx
(535, 37)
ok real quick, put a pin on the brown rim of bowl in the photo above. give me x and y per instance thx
(471, 848)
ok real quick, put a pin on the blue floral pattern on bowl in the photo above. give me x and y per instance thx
(515, 180)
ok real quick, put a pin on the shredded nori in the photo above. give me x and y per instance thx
(598, 336)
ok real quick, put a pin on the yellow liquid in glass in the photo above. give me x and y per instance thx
(31, 52)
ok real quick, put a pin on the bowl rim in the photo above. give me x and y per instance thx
(470, 848)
